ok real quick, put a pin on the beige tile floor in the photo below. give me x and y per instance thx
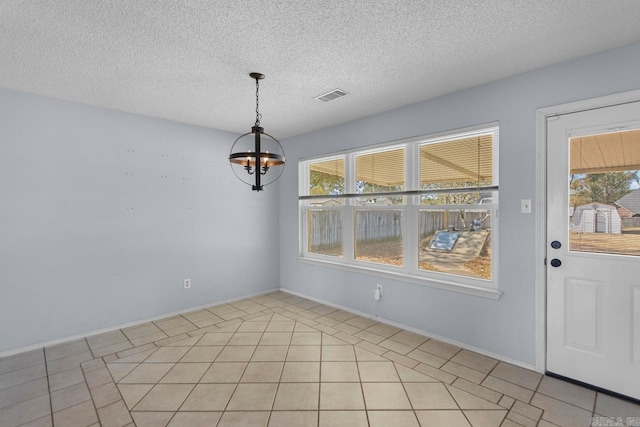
(281, 360)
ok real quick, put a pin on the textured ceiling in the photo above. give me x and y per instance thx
(189, 60)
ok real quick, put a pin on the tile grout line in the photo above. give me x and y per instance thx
(137, 365)
(529, 402)
(241, 375)
(275, 396)
(93, 404)
(319, 378)
(46, 371)
(464, 414)
(297, 319)
(567, 403)
(509, 410)
(127, 337)
(118, 389)
(413, 409)
(89, 347)
(320, 375)
(595, 404)
(364, 399)
(278, 386)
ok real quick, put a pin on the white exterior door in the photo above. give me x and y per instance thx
(593, 247)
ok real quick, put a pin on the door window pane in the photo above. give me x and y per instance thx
(604, 193)
(378, 236)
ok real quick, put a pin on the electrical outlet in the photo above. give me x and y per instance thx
(187, 283)
(377, 294)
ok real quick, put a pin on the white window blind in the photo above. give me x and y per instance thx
(467, 161)
(380, 171)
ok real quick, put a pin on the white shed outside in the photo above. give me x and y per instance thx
(596, 218)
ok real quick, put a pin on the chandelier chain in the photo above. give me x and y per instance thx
(258, 115)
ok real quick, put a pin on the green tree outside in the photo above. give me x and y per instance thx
(604, 188)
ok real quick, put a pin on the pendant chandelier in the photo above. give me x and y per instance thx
(257, 160)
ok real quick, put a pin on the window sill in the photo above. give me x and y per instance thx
(430, 282)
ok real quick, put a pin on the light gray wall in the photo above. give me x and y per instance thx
(103, 214)
(506, 326)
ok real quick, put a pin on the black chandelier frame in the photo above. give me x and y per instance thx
(257, 163)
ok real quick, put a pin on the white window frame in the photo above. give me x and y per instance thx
(409, 271)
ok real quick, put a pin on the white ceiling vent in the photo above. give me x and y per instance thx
(331, 95)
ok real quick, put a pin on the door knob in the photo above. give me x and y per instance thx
(556, 262)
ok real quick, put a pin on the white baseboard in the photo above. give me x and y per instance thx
(466, 346)
(428, 334)
(82, 335)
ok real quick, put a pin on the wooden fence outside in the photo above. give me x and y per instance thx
(633, 222)
(325, 227)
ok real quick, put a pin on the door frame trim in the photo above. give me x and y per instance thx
(540, 276)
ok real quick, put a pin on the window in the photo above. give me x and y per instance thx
(425, 208)
(324, 219)
(461, 217)
(378, 221)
